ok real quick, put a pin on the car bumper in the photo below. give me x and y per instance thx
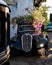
(4, 55)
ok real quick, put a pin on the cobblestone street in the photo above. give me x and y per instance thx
(30, 61)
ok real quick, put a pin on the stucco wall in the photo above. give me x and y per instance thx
(21, 5)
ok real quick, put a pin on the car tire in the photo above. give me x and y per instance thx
(7, 63)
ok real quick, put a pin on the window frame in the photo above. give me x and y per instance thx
(11, 2)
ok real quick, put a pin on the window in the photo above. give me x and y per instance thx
(11, 2)
(37, 2)
(50, 17)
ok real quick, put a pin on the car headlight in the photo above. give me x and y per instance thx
(8, 47)
(8, 50)
(41, 45)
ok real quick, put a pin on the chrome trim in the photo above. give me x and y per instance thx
(4, 57)
(2, 53)
(25, 25)
(23, 43)
(27, 31)
(5, 60)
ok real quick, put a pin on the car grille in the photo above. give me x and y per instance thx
(26, 40)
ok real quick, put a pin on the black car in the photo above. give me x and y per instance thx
(4, 33)
(27, 41)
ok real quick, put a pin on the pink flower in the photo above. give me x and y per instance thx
(40, 25)
(37, 25)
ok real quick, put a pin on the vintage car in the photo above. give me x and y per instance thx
(27, 41)
(4, 33)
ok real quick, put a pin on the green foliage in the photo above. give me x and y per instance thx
(20, 19)
(47, 22)
(24, 18)
(41, 14)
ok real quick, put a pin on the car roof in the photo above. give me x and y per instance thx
(3, 3)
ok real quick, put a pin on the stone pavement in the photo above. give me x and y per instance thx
(30, 61)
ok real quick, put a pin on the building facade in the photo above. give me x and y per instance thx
(18, 6)
(49, 11)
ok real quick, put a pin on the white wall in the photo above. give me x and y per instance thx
(49, 4)
(21, 5)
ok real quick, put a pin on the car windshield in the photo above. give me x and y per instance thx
(24, 28)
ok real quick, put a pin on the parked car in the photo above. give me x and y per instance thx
(49, 27)
(4, 33)
(27, 40)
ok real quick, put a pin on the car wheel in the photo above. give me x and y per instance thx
(7, 63)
